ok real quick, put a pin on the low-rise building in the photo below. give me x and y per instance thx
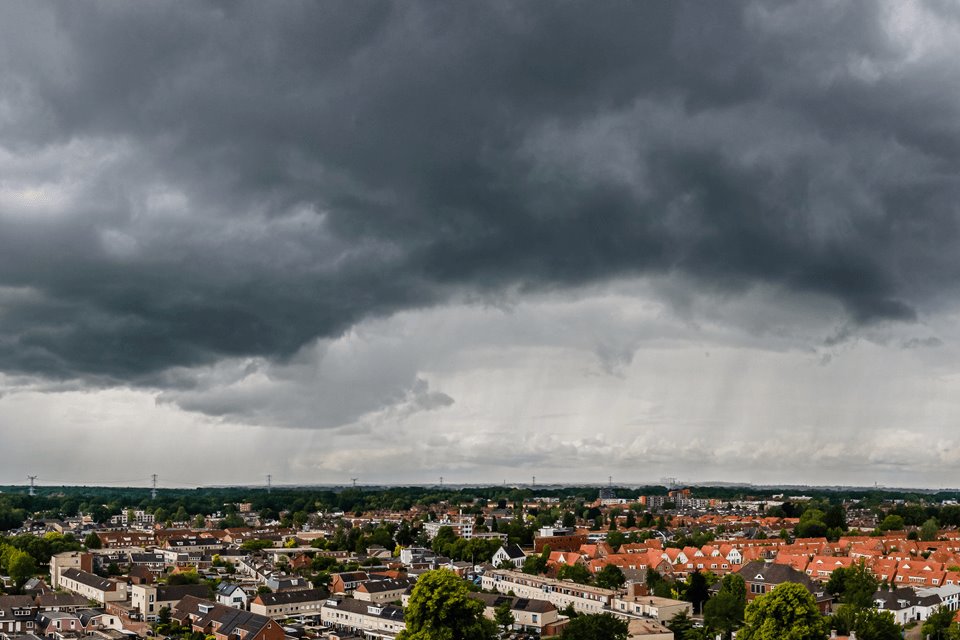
(509, 553)
(286, 604)
(362, 618)
(562, 593)
(225, 623)
(379, 591)
(657, 608)
(92, 586)
(17, 614)
(232, 595)
(148, 599)
(528, 614)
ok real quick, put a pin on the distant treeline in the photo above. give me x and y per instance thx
(182, 504)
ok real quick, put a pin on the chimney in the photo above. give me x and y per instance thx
(833, 633)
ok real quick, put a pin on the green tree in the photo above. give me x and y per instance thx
(681, 625)
(441, 608)
(92, 541)
(859, 585)
(723, 613)
(929, 530)
(892, 523)
(21, 566)
(697, 591)
(789, 612)
(184, 577)
(576, 572)
(610, 577)
(256, 545)
(503, 615)
(615, 539)
(867, 622)
(937, 623)
(836, 517)
(601, 626)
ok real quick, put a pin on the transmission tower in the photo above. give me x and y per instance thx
(354, 480)
(32, 491)
(269, 480)
(153, 491)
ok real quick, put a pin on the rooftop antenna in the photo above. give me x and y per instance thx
(269, 483)
(153, 491)
(32, 478)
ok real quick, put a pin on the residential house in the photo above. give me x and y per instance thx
(232, 595)
(225, 623)
(92, 586)
(528, 614)
(657, 608)
(17, 614)
(362, 618)
(511, 553)
(68, 560)
(762, 577)
(905, 604)
(584, 598)
(286, 604)
(379, 591)
(149, 599)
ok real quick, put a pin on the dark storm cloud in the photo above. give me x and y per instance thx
(242, 178)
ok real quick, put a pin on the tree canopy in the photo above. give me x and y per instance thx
(723, 613)
(441, 608)
(789, 612)
(601, 626)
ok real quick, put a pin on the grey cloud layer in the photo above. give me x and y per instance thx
(185, 183)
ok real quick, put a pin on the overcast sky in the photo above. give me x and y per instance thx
(484, 241)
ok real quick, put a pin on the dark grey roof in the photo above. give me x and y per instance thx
(514, 551)
(177, 592)
(90, 579)
(516, 604)
(291, 597)
(379, 586)
(61, 600)
(904, 598)
(384, 611)
(227, 588)
(229, 618)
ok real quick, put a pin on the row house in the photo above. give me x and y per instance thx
(17, 614)
(537, 616)
(562, 593)
(149, 599)
(225, 623)
(378, 591)
(822, 567)
(362, 618)
(906, 605)
(187, 544)
(656, 608)
(68, 560)
(92, 586)
(286, 604)
(126, 539)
